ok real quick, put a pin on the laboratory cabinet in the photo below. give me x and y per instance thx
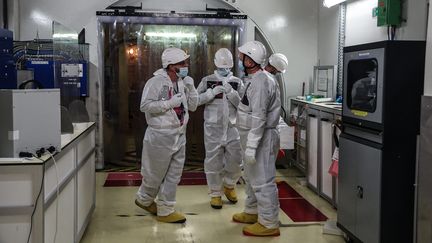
(52, 197)
(314, 138)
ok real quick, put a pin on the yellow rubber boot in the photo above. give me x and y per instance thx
(216, 202)
(230, 194)
(176, 218)
(245, 218)
(260, 230)
(152, 208)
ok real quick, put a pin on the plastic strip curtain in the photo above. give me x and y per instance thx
(129, 52)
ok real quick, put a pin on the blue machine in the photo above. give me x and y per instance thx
(8, 74)
(71, 76)
(43, 72)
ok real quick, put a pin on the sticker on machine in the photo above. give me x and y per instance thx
(13, 135)
(359, 113)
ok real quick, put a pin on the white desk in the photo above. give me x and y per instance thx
(21, 182)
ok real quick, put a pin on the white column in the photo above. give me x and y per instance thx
(13, 18)
(428, 67)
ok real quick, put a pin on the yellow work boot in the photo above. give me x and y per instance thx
(245, 218)
(175, 217)
(230, 194)
(152, 208)
(258, 229)
(216, 202)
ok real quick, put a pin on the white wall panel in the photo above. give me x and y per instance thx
(362, 28)
(328, 33)
(428, 74)
(292, 28)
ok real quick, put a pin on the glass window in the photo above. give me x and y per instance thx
(362, 84)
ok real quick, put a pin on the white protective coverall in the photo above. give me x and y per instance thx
(257, 118)
(221, 138)
(164, 144)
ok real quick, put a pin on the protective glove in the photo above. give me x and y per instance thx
(175, 101)
(209, 93)
(249, 156)
(228, 87)
(218, 90)
(188, 81)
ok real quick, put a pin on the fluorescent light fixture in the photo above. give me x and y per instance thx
(65, 36)
(227, 37)
(331, 3)
(171, 34)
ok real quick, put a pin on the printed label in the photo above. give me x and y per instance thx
(359, 113)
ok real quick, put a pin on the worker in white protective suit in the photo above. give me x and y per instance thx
(166, 99)
(257, 118)
(219, 93)
(277, 64)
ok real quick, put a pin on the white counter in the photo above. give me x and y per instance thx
(330, 106)
(30, 186)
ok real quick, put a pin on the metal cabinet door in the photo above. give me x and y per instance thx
(369, 193)
(312, 144)
(347, 183)
(325, 155)
(360, 189)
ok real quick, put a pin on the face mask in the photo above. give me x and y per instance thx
(183, 72)
(241, 66)
(224, 72)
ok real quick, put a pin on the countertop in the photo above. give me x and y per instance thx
(330, 105)
(66, 139)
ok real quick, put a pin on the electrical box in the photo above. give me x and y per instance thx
(389, 12)
(30, 120)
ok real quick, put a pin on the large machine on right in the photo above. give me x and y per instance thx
(383, 85)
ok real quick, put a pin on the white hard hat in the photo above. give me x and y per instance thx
(255, 50)
(223, 58)
(279, 61)
(173, 55)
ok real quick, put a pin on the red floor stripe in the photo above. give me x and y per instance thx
(115, 179)
(124, 176)
(296, 207)
(286, 191)
(193, 182)
(193, 175)
(120, 183)
(300, 210)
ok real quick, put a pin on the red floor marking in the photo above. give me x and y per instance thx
(193, 182)
(300, 210)
(193, 175)
(115, 179)
(296, 207)
(286, 191)
(124, 176)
